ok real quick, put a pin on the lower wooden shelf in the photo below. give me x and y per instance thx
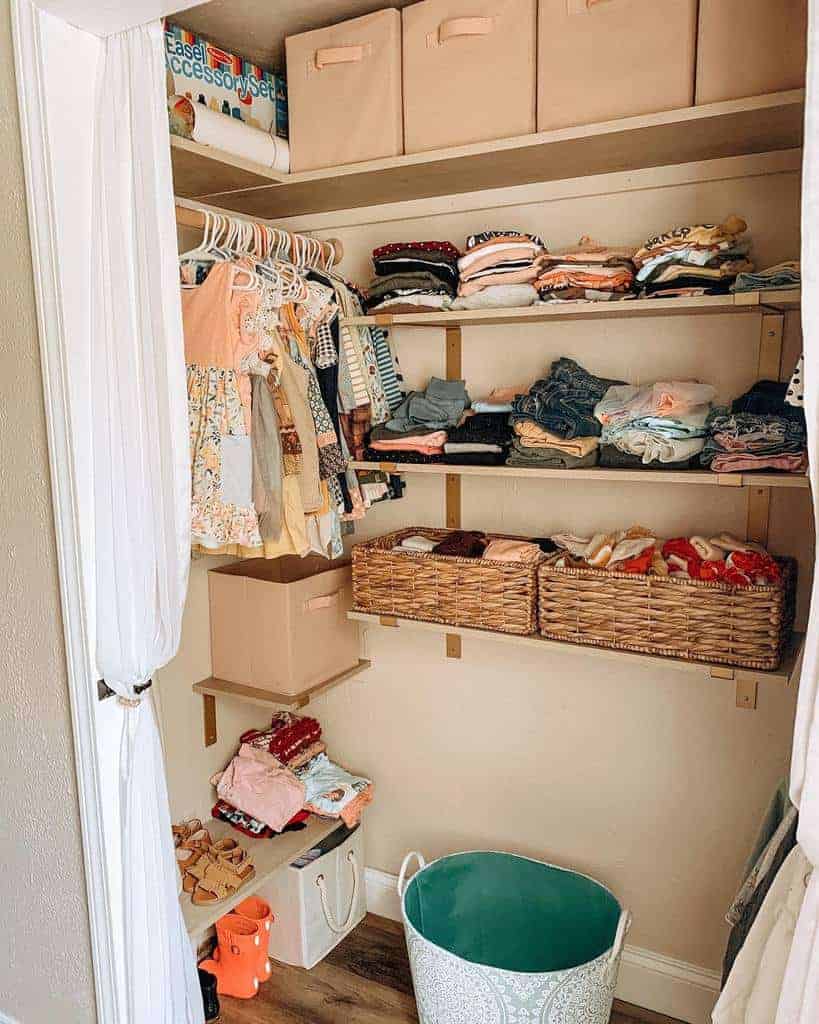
(703, 477)
(741, 676)
(212, 688)
(268, 855)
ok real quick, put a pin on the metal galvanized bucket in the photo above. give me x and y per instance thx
(495, 938)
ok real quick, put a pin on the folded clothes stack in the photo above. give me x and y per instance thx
(413, 277)
(639, 551)
(482, 440)
(554, 422)
(662, 423)
(417, 431)
(282, 774)
(498, 269)
(589, 272)
(534, 447)
(761, 430)
(476, 544)
(782, 275)
(699, 259)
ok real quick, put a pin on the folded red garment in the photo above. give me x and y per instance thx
(683, 549)
(759, 568)
(639, 564)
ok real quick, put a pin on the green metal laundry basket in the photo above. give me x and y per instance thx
(495, 938)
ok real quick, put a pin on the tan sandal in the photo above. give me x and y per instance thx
(220, 881)
(189, 851)
(184, 830)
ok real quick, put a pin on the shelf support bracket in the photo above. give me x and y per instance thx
(453, 480)
(209, 718)
(747, 694)
(769, 367)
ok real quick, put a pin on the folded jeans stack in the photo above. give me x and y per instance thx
(782, 275)
(699, 259)
(660, 423)
(563, 403)
(760, 431)
(498, 269)
(413, 277)
(483, 440)
(589, 271)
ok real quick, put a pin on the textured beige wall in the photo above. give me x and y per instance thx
(649, 779)
(45, 962)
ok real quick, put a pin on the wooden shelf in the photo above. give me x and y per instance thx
(758, 124)
(784, 674)
(602, 475)
(212, 688)
(773, 301)
(268, 855)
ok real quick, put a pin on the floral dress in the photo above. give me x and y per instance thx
(224, 519)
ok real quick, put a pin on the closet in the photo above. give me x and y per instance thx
(648, 772)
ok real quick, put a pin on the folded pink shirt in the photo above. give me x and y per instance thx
(257, 783)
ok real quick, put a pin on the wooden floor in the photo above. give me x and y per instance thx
(365, 980)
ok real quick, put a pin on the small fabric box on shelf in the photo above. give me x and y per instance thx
(344, 87)
(475, 592)
(599, 60)
(750, 47)
(748, 627)
(281, 625)
(469, 71)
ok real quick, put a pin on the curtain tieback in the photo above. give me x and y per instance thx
(129, 702)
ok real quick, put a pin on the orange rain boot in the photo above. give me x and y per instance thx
(256, 910)
(236, 959)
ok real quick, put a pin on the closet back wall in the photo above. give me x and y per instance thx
(650, 779)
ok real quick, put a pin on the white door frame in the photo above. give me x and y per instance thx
(79, 660)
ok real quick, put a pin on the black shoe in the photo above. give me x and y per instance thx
(210, 1001)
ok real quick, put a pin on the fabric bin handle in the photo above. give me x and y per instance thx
(316, 604)
(341, 55)
(581, 6)
(340, 928)
(623, 926)
(402, 876)
(460, 27)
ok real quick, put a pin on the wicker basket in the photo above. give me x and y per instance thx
(476, 592)
(689, 619)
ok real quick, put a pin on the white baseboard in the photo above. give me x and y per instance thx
(647, 979)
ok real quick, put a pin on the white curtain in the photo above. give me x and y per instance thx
(799, 1001)
(141, 494)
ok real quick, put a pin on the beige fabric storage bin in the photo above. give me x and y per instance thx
(344, 92)
(750, 47)
(281, 625)
(599, 60)
(469, 71)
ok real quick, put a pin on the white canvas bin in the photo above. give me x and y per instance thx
(316, 906)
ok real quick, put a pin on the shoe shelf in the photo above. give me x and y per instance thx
(746, 679)
(268, 856)
(773, 301)
(212, 688)
(791, 481)
(757, 124)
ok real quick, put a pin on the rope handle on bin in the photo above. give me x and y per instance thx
(402, 876)
(339, 929)
(623, 926)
